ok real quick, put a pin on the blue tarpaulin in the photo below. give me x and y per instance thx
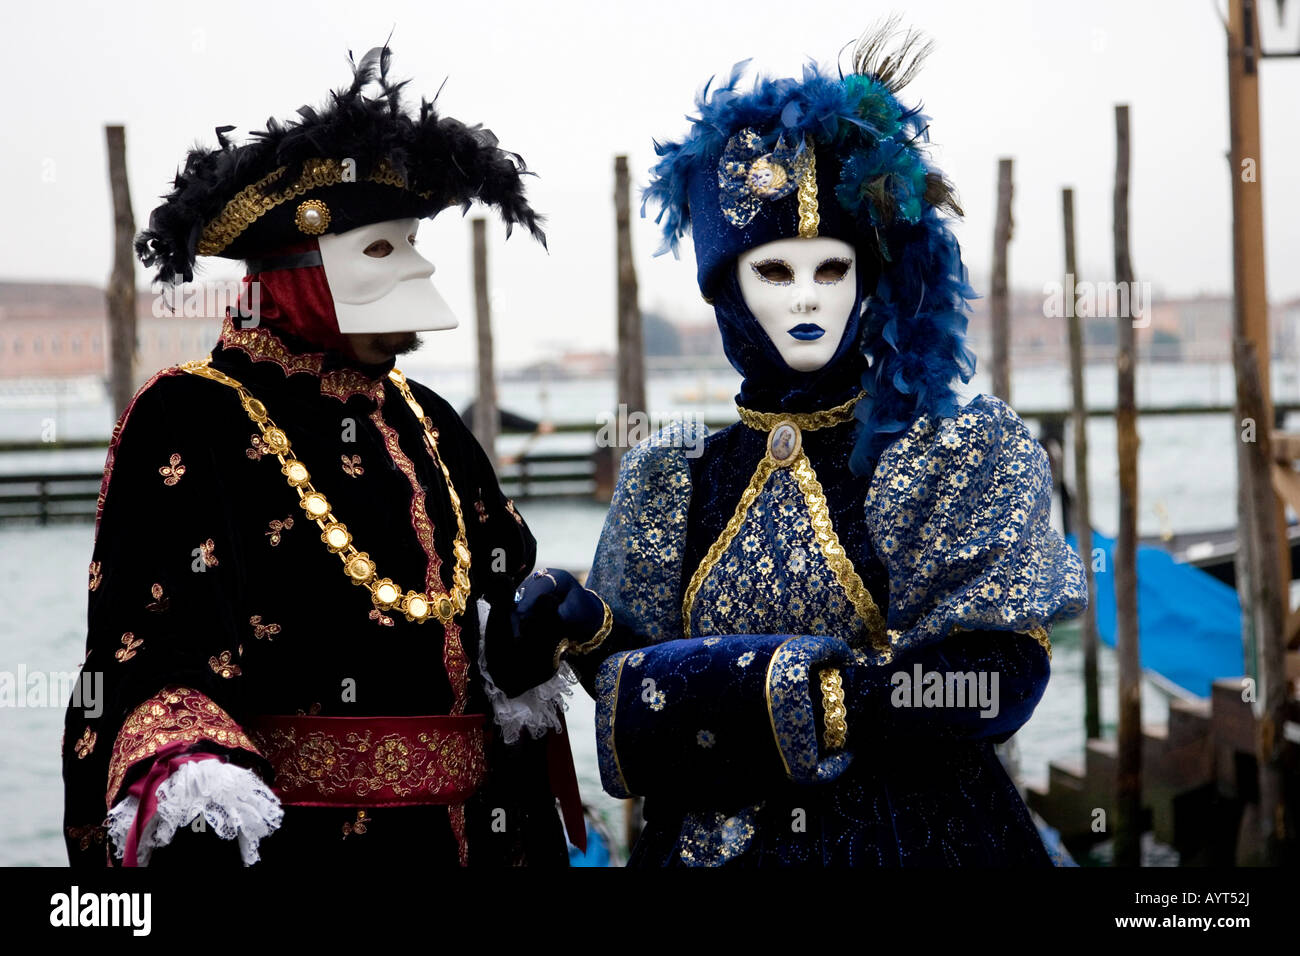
(1189, 623)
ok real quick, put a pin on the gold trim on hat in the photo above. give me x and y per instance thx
(809, 217)
(253, 202)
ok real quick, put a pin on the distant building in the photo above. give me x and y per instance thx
(53, 330)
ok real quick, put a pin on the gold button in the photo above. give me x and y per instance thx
(315, 505)
(276, 440)
(417, 608)
(360, 569)
(336, 537)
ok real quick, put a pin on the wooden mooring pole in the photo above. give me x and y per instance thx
(1128, 796)
(999, 307)
(121, 285)
(485, 404)
(1265, 607)
(1265, 584)
(1082, 506)
(631, 357)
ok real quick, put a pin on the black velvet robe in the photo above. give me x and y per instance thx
(208, 574)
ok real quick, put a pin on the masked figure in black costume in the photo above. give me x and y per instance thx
(299, 549)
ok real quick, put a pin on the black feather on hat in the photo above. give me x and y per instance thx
(357, 160)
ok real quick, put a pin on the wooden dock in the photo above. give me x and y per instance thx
(1199, 784)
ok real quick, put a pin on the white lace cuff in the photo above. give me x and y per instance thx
(537, 710)
(233, 801)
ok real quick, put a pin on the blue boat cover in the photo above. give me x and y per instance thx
(1189, 623)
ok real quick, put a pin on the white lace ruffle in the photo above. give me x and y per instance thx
(233, 801)
(537, 710)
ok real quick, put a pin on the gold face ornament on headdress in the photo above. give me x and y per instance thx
(748, 177)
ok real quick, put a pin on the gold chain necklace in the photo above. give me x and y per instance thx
(360, 569)
(807, 421)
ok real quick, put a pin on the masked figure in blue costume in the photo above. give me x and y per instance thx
(827, 614)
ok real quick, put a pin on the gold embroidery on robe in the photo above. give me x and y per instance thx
(172, 715)
(757, 563)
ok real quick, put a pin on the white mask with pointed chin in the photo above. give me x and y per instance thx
(802, 293)
(386, 289)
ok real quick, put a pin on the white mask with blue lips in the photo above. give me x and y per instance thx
(379, 283)
(802, 292)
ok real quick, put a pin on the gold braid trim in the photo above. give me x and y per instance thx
(833, 710)
(566, 647)
(606, 625)
(807, 421)
(1041, 636)
(254, 201)
(829, 542)
(809, 217)
(756, 483)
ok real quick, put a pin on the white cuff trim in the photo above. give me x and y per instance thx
(537, 710)
(232, 800)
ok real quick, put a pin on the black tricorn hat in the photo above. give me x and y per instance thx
(357, 160)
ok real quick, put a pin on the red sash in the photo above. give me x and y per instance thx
(373, 761)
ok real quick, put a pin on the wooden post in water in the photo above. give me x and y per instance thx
(1266, 603)
(1128, 797)
(485, 404)
(1082, 507)
(1250, 291)
(998, 305)
(121, 285)
(631, 358)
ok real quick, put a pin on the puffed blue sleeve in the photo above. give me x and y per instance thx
(637, 569)
(959, 510)
(716, 715)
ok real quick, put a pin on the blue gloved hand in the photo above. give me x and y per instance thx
(554, 599)
(551, 613)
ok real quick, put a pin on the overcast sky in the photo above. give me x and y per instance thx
(570, 84)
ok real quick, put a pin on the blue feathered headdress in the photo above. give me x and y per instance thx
(729, 183)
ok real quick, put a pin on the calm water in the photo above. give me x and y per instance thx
(1187, 482)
